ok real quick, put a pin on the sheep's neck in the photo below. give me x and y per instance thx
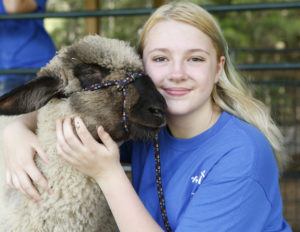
(46, 123)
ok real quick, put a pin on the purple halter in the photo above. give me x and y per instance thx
(121, 86)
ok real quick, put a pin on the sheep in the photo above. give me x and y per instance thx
(77, 203)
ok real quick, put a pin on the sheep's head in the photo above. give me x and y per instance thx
(90, 61)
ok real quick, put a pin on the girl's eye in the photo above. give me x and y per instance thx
(159, 59)
(196, 59)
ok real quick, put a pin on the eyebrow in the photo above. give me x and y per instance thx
(199, 50)
(189, 50)
(158, 49)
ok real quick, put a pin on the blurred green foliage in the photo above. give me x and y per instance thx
(272, 29)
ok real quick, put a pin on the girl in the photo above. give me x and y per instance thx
(218, 168)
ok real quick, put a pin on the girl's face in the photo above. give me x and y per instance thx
(181, 60)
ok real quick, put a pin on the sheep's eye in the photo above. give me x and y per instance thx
(89, 74)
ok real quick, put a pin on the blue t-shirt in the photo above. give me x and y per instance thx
(24, 43)
(224, 179)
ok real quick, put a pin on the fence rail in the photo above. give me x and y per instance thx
(146, 11)
(242, 67)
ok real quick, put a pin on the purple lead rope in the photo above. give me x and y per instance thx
(122, 86)
(160, 192)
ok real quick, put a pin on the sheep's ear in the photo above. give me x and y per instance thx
(31, 96)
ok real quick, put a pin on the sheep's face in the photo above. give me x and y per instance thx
(141, 110)
(95, 60)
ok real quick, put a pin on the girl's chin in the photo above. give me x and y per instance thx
(177, 111)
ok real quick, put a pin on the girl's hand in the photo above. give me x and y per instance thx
(20, 146)
(84, 152)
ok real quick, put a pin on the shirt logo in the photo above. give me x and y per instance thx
(198, 179)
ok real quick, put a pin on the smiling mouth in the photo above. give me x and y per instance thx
(177, 92)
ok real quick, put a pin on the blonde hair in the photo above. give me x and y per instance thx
(230, 93)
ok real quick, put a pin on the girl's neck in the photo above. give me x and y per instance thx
(195, 123)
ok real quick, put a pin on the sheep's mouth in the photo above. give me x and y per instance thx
(156, 122)
(144, 131)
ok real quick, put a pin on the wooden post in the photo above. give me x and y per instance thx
(92, 25)
(157, 3)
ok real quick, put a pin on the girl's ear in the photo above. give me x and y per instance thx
(220, 68)
(31, 96)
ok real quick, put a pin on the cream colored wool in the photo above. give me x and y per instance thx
(76, 204)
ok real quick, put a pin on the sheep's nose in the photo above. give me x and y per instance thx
(157, 111)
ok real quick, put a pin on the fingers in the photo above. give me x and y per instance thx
(82, 132)
(36, 176)
(72, 143)
(66, 137)
(9, 179)
(27, 188)
(65, 155)
(108, 142)
(23, 183)
(40, 151)
(23, 179)
(22, 171)
(88, 140)
(68, 145)
(80, 149)
(62, 144)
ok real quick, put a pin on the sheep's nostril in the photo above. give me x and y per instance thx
(158, 112)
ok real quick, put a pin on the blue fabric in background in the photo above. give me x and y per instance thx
(23, 44)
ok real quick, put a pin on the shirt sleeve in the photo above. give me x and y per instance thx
(235, 205)
(2, 8)
(41, 4)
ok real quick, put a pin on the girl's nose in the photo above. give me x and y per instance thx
(178, 72)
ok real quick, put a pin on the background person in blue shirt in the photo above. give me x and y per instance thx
(219, 172)
(24, 43)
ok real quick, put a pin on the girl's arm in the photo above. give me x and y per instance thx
(20, 6)
(101, 161)
(20, 146)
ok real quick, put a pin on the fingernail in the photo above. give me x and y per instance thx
(77, 122)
